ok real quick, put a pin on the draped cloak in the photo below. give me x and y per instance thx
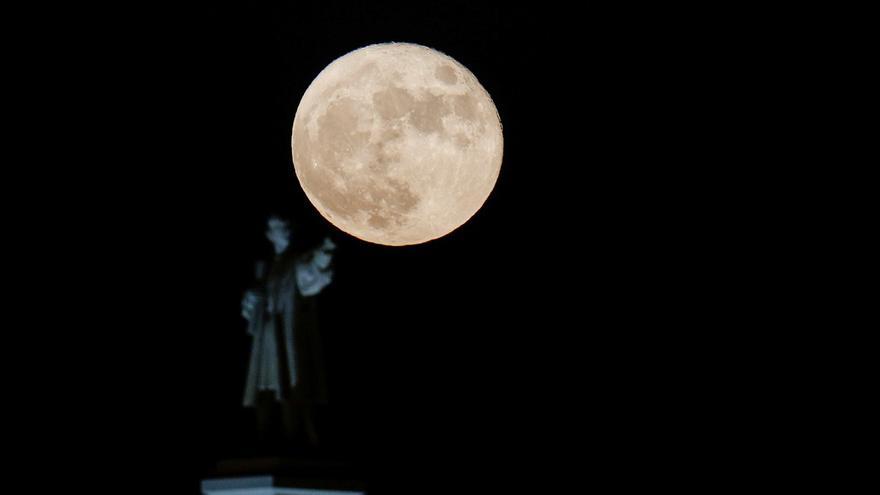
(286, 355)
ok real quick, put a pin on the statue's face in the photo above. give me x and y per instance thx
(278, 232)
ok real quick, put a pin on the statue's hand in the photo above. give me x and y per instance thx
(322, 259)
(328, 245)
(324, 254)
(251, 303)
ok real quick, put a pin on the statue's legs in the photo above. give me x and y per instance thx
(290, 420)
(310, 426)
(266, 409)
(299, 421)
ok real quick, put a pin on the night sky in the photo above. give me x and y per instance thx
(553, 337)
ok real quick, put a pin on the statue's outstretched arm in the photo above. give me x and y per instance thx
(313, 273)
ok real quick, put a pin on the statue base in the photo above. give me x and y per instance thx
(282, 476)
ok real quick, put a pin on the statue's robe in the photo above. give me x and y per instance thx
(286, 355)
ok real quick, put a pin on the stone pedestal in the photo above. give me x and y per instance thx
(266, 485)
(282, 476)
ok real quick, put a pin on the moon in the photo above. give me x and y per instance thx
(397, 144)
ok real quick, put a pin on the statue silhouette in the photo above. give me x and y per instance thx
(285, 372)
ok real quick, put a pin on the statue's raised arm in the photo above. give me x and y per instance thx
(313, 271)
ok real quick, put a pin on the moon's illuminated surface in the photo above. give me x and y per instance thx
(397, 144)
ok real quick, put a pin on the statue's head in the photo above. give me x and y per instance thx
(278, 232)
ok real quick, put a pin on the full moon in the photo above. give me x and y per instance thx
(397, 144)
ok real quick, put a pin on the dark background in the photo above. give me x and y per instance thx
(556, 338)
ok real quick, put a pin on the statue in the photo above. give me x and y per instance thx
(285, 362)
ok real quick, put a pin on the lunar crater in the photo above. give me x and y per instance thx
(446, 74)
